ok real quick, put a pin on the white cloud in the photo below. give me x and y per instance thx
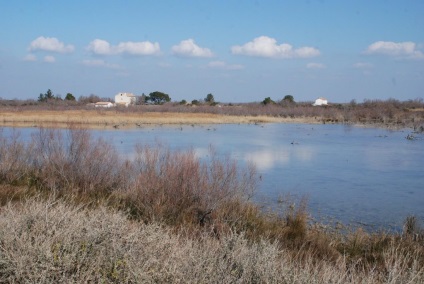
(363, 65)
(224, 65)
(138, 48)
(102, 47)
(406, 49)
(49, 59)
(188, 48)
(50, 44)
(313, 65)
(30, 57)
(99, 63)
(264, 46)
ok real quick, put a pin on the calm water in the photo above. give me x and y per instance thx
(352, 174)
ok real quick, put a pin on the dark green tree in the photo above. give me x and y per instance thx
(209, 98)
(158, 98)
(47, 96)
(69, 97)
(268, 101)
(288, 98)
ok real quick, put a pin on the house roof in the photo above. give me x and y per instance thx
(126, 94)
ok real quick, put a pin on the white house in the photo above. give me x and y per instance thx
(125, 99)
(320, 102)
(103, 104)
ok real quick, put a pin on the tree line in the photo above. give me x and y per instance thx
(156, 98)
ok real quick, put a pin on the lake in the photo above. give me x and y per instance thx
(373, 177)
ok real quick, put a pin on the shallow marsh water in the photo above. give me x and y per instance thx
(373, 177)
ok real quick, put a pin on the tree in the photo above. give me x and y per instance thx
(288, 98)
(268, 101)
(47, 96)
(209, 98)
(69, 97)
(158, 98)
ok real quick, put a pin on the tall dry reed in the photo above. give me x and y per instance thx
(51, 241)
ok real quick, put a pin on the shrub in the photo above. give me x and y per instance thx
(14, 159)
(177, 188)
(72, 161)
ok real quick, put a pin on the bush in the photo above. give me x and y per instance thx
(50, 241)
(177, 188)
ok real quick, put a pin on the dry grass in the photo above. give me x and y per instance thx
(111, 118)
(98, 221)
(389, 113)
(50, 241)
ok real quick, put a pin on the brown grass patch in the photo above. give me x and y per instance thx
(111, 118)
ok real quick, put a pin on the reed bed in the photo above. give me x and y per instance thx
(389, 113)
(74, 211)
(123, 119)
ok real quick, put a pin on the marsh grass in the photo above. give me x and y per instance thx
(389, 113)
(73, 208)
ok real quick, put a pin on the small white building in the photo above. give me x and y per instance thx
(320, 102)
(103, 104)
(125, 99)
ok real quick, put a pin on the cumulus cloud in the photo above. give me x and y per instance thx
(264, 46)
(49, 59)
(406, 49)
(99, 63)
(224, 65)
(102, 47)
(30, 57)
(314, 65)
(188, 48)
(50, 44)
(138, 48)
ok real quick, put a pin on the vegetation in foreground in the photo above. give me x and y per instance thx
(73, 210)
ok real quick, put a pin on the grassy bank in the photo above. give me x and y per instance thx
(73, 210)
(90, 118)
(389, 113)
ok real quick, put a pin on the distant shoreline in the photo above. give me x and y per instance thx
(384, 115)
(95, 119)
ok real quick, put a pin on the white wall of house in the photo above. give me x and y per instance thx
(125, 99)
(103, 104)
(320, 102)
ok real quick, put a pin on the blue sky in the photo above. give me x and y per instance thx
(240, 51)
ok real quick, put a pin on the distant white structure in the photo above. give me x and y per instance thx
(103, 104)
(125, 99)
(320, 102)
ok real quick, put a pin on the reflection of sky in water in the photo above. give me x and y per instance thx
(364, 174)
(278, 157)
